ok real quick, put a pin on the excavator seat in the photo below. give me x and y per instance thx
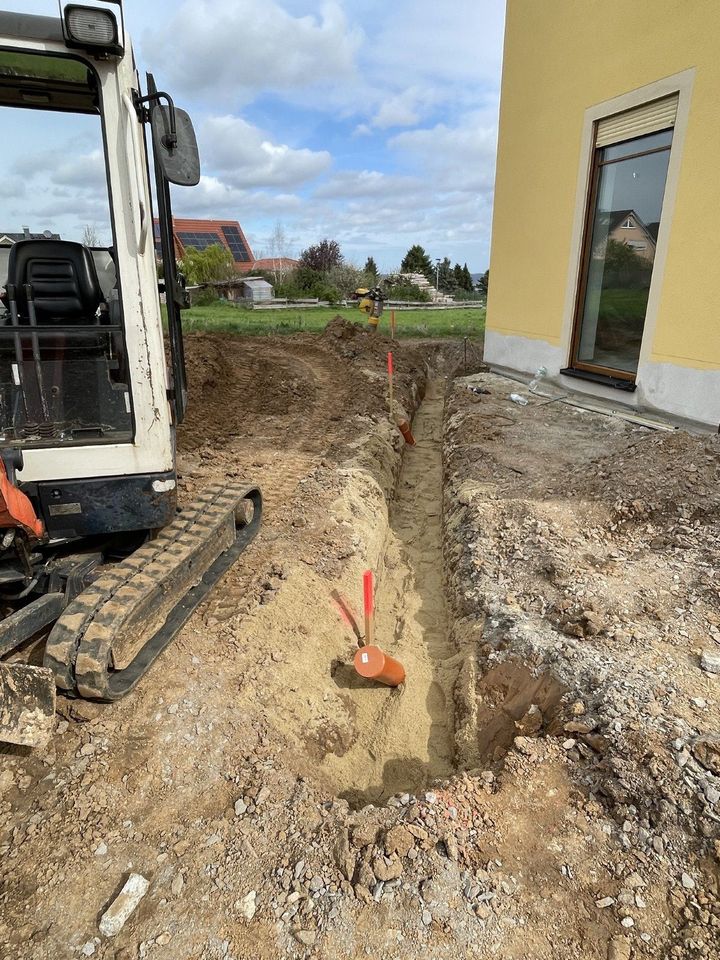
(62, 278)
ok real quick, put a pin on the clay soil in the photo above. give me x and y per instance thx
(546, 782)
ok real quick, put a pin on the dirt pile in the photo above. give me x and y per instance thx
(585, 544)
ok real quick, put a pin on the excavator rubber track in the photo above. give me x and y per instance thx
(111, 633)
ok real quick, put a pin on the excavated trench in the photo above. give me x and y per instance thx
(405, 737)
(456, 711)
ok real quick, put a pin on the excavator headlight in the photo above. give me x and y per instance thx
(92, 29)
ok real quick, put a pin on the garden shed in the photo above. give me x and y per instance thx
(253, 289)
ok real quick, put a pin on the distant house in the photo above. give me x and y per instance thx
(8, 240)
(202, 234)
(276, 265)
(626, 226)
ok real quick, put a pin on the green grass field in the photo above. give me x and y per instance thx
(224, 318)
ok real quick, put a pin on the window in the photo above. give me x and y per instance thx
(626, 194)
(63, 363)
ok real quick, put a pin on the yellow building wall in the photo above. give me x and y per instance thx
(561, 58)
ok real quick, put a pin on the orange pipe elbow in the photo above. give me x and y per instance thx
(373, 664)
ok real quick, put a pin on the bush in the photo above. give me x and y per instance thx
(204, 297)
(404, 290)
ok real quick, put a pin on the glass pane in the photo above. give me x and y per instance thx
(652, 141)
(622, 252)
(64, 386)
(63, 365)
(32, 67)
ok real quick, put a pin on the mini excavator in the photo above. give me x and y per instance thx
(99, 569)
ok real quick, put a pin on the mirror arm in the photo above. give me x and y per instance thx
(170, 139)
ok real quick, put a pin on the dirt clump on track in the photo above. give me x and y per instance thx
(541, 786)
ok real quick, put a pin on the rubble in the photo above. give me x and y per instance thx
(582, 790)
(122, 907)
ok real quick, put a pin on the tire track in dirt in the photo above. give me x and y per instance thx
(267, 413)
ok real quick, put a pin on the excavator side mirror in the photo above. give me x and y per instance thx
(175, 145)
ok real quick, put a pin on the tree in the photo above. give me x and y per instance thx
(467, 283)
(397, 287)
(322, 256)
(279, 252)
(346, 279)
(625, 267)
(458, 276)
(445, 276)
(370, 268)
(482, 284)
(210, 265)
(417, 261)
(90, 236)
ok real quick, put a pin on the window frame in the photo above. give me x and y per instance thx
(597, 163)
(62, 55)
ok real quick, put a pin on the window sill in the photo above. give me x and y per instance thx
(629, 386)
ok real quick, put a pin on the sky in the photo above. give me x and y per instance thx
(367, 122)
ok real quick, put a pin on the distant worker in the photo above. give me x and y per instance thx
(371, 302)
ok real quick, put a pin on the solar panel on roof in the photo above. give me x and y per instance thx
(235, 242)
(200, 241)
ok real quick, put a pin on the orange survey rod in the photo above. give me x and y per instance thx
(369, 605)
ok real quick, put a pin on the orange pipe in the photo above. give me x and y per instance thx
(373, 664)
(404, 428)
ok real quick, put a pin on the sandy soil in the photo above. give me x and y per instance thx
(544, 784)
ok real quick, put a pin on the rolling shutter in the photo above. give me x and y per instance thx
(650, 117)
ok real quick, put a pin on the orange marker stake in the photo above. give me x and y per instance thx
(369, 605)
(373, 664)
(392, 324)
(390, 381)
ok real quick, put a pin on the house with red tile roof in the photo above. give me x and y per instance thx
(201, 234)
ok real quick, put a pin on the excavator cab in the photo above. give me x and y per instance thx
(91, 540)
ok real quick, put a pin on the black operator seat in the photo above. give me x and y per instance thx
(63, 281)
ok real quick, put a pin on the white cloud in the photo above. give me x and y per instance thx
(235, 49)
(86, 171)
(213, 197)
(249, 159)
(460, 157)
(366, 183)
(401, 110)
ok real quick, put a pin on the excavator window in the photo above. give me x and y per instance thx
(63, 364)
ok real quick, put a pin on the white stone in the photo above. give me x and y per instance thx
(710, 662)
(115, 917)
(248, 906)
(687, 881)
